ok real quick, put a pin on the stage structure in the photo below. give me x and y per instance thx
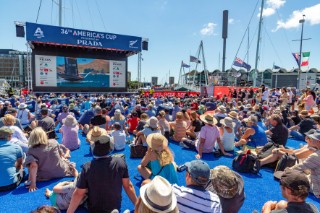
(74, 60)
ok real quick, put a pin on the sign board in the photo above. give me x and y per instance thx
(83, 38)
(307, 80)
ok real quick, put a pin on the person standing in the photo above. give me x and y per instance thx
(102, 180)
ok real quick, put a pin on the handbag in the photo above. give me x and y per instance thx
(285, 161)
(138, 151)
(244, 163)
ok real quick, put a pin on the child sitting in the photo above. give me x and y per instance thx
(119, 137)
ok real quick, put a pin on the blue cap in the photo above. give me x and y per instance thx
(199, 171)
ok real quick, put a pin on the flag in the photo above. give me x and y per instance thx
(296, 57)
(305, 59)
(185, 65)
(239, 63)
(275, 67)
(194, 59)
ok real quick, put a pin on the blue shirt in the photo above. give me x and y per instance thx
(151, 113)
(259, 138)
(9, 153)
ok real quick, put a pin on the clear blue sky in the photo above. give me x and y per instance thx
(176, 27)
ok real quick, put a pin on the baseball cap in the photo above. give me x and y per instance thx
(199, 171)
(294, 179)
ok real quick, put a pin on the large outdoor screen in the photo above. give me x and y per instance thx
(77, 74)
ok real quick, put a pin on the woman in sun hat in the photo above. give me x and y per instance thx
(229, 186)
(209, 135)
(157, 196)
(227, 134)
(237, 128)
(158, 159)
(69, 131)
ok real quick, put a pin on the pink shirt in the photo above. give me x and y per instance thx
(210, 134)
(70, 137)
(309, 101)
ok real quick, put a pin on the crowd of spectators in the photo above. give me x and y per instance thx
(243, 119)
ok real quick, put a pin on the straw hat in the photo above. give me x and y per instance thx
(117, 112)
(158, 195)
(96, 131)
(157, 141)
(228, 122)
(209, 119)
(233, 114)
(222, 109)
(225, 182)
(70, 121)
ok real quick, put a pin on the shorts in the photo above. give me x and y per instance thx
(53, 199)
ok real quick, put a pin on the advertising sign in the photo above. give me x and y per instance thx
(78, 37)
(71, 72)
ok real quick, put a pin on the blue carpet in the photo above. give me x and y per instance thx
(258, 189)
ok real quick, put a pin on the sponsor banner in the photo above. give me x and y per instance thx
(118, 74)
(171, 93)
(78, 37)
(46, 71)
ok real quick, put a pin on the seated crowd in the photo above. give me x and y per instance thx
(223, 126)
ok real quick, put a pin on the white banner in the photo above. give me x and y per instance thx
(45, 71)
(117, 73)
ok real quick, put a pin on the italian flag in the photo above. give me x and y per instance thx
(305, 59)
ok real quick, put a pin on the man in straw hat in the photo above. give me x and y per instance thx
(229, 186)
(194, 197)
(11, 171)
(254, 135)
(295, 188)
(209, 135)
(102, 180)
(237, 128)
(306, 124)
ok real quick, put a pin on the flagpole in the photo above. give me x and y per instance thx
(299, 71)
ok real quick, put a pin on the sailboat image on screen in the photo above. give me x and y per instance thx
(71, 70)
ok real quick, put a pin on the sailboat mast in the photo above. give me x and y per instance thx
(258, 45)
(60, 13)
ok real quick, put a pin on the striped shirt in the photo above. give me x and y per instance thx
(312, 164)
(195, 199)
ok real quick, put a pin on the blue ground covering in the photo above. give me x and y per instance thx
(258, 189)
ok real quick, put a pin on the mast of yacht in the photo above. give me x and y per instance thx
(258, 46)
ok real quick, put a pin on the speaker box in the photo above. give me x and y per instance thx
(225, 24)
(19, 31)
(145, 45)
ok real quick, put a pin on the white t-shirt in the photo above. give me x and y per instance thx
(119, 139)
(265, 95)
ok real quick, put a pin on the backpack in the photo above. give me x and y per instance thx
(266, 151)
(244, 163)
(284, 162)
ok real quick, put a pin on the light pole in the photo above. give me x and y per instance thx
(300, 54)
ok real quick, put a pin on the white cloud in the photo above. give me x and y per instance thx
(208, 29)
(312, 16)
(272, 6)
(231, 20)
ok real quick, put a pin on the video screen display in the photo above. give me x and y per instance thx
(71, 72)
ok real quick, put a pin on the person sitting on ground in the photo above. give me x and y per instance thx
(193, 197)
(229, 186)
(301, 153)
(311, 165)
(142, 122)
(158, 160)
(94, 133)
(164, 124)
(13, 112)
(62, 115)
(295, 188)
(133, 122)
(73, 108)
(61, 194)
(149, 128)
(179, 127)
(118, 117)
(175, 110)
(306, 124)
(220, 113)
(69, 131)
(237, 128)
(105, 113)
(119, 137)
(18, 137)
(102, 179)
(254, 135)
(46, 159)
(186, 116)
(209, 135)
(279, 132)
(156, 196)
(150, 112)
(11, 158)
(24, 114)
(46, 209)
(195, 126)
(98, 119)
(227, 134)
